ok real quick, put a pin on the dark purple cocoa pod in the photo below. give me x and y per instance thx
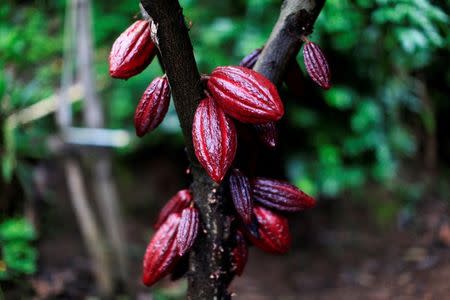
(240, 191)
(316, 64)
(250, 60)
(267, 133)
(280, 195)
(188, 229)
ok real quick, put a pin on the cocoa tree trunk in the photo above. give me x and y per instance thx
(209, 269)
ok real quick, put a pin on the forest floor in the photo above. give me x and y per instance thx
(338, 253)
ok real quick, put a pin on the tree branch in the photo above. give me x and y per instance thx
(296, 18)
(209, 272)
(209, 262)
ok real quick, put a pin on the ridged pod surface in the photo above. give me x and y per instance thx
(132, 51)
(239, 254)
(273, 229)
(176, 204)
(267, 133)
(153, 106)
(188, 229)
(250, 60)
(214, 138)
(245, 95)
(316, 64)
(161, 254)
(240, 191)
(280, 195)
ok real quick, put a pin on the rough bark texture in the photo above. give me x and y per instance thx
(209, 264)
(209, 271)
(296, 18)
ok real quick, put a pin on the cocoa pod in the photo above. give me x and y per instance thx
(273, 229)
(161, 254)
(245, 95)
(153, 106)
(316, 64)
(176, 204)
(250, 60)
(267, 134)
(240, 191)
(132, 51)
(239, 254)
(280, 195)
(187, 232)
(214, 138)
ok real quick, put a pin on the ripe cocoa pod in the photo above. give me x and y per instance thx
(245, 95)
(132, 51)
(250, 60)
(187, 232)
(215, 139)
(161, 254)
(239, 254)
(273, 229)
(316, 64)
(240, 191)
(280, 195)
(267, 134)
(176, 204)
(153, 106)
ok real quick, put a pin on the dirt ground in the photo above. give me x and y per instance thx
(338, 253)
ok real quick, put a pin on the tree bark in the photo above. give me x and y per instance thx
(296, 19)
(209, 266)
(209, 270)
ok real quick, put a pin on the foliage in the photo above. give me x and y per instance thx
(362, 129)
(18, 255)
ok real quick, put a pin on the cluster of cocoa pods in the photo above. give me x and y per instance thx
(259, 203)
(232, 93)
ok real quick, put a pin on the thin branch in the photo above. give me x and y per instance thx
(296, 18)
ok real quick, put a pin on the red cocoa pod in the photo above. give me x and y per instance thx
(132, 51)
(176, 204)
(245, 95)
(215, 139)
(250, 60)
(239, 254)
(280, 195)
(240, 191)
(316, 64)
(187, 232)
(273, 229)
(153, 106)
(161, 254)
(294, 78)
(267, 134)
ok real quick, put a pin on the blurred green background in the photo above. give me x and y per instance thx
(384, 123)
